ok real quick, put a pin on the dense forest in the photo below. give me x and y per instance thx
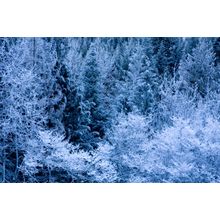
(110, 110)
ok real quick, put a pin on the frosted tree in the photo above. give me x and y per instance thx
(23, 105)
(167, 54)
(74, 85)
(142, 81)
(197, 71)
(58, 89)
(91, 120)
(42, 57)
(56, 160)
(120, 73)
(107, 82)
(126, 139)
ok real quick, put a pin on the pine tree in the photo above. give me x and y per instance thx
(142, 82)
(58, 91)
(92, 121)
(74, 83)
(197, 71)
(167, 54)
(120, 71)
(107, 82)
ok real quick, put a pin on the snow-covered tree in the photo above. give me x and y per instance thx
(126, 138)
(198, 72)
(53, 159)
(74, 85)
(24, 107)
(91, 119)
(167, 54)
(142, 83)
(120, 73)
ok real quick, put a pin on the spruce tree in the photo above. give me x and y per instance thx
(143, 81)
(91, 120)
(197, 71)
(74, 83)
(167, 54)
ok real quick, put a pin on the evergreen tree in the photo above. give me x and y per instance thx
(120, 71)
(107, 82)
(143, 82)
(167, 54)
(92, 120)
(58, 91)
(74, 83)
(197, 71)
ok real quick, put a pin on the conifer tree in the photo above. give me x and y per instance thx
(143, 81)
(197, 71)
(74, 83)
(92, 121)
(167, 54)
